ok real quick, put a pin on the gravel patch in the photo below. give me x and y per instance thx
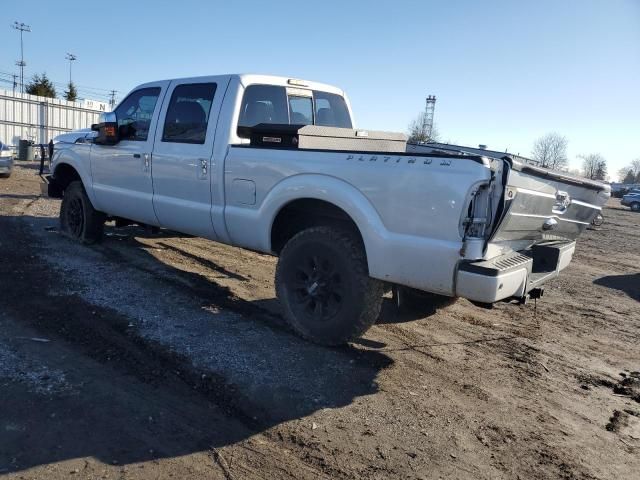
(270, 367)
(39, 378)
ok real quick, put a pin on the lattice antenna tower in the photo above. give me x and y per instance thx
(427, 124)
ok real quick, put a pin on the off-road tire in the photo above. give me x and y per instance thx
(5, 175)
(78, 219)
(349, 301)
(635, 206)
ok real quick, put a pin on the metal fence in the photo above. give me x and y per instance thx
(29, 117)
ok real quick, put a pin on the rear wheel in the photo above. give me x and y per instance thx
(635, 206)
(324, 287)
(78, 219)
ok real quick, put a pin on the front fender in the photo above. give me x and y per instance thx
(77, 157)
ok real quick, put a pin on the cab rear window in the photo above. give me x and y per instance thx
(272, 104)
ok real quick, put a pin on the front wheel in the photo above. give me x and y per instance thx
(635, 206)
(78, 219)
(324, 287)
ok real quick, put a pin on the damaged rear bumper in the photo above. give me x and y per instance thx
(512, 275)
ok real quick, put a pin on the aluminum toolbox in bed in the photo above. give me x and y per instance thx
(312, 137)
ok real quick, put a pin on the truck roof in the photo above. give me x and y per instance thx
(246, 79)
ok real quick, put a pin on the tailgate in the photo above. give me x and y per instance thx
(541, 205)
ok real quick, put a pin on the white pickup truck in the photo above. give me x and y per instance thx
(274, 165)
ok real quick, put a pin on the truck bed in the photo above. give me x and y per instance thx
(444, 209)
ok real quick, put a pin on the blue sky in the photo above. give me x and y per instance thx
(504, 72)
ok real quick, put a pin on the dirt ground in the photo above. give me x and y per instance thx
(164, 356)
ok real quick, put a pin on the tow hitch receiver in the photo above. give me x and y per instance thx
(533, 294)
(536, 293)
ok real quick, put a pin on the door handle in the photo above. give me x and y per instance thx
(146, 162)
(203, 168)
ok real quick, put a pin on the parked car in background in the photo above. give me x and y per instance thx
(619, 190)
(6, 161)
(84, 135)
(632, 200)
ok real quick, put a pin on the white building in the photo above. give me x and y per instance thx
(29, 117)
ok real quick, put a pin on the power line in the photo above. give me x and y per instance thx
(96, 93)
(96, 88)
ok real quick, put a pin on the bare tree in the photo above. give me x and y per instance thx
(594, 166)
(551, 151)
(630, 173)
(417, 132)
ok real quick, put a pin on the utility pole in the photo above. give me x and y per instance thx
(112, 101)
(21, 27)
(427, 124)
(71, 57)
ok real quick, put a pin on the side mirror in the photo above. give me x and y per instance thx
(107, 128)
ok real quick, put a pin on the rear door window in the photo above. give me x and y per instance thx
(188, 113)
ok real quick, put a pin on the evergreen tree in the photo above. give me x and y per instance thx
(41, 85)
(629, 178)
(71, 94)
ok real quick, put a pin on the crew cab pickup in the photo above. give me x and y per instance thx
(275, 165)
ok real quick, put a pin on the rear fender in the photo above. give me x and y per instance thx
(415, 261)
(242, 221)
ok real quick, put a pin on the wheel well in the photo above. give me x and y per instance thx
(306, 213)
(65, 174)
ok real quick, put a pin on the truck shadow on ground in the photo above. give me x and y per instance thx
(128, 236)
(134, 398)
(390, 313)
(17, 196)
(629, 284)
